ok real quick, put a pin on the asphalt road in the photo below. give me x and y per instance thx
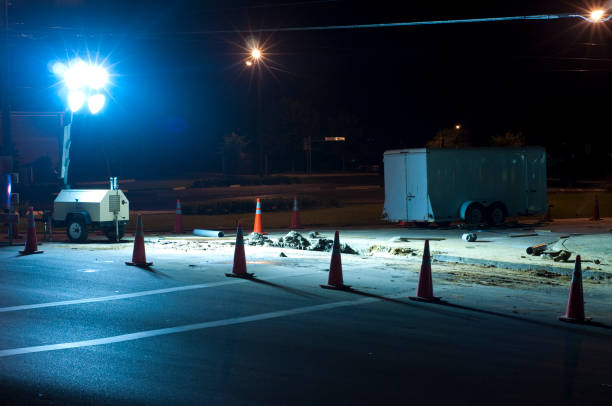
(183, 333)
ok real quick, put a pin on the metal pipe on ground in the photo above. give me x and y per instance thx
(536, 249)
(207, 233)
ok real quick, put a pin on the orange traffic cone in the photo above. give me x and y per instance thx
(258, 227)
(547, 217)
(335, 280)
(425, 286)
(596, 211)
(178, 219)
(139, 258)
(575, 303)
(295, 218)
(239, 269)
(31, 245)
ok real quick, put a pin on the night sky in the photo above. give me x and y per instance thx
(181, 83)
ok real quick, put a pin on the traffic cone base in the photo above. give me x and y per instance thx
(244, 275)
(566, 319)
(337, 287)
(140, 264)
(30, 252)
(427, 299)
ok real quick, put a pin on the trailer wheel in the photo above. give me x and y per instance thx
(474, 214)
(109, 232)
(496, 215)
(76, 229)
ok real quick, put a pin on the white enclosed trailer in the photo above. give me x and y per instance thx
(83, 209)
(474, 185)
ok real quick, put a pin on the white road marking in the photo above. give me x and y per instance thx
(136, 294)
(189, 327)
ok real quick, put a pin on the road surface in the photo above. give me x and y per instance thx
(80, 327)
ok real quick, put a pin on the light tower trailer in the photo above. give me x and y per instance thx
(80, 210)
(475, 185)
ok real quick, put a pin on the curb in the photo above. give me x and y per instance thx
(595, 275)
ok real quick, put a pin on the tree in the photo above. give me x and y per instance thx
(509, 139)
(300, 121)
(450, 138)
(233, 157)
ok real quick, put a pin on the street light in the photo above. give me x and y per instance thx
(597, 15)
(85, 84)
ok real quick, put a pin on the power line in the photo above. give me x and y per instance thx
(362, 26)
(401, 24)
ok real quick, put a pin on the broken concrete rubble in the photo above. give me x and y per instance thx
(293, 240)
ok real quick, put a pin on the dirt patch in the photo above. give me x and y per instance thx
(397, 251)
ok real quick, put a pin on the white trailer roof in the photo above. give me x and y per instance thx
(422, 150)
(82, 195)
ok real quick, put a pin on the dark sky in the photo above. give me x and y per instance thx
(181, 82)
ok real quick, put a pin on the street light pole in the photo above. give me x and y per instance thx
(7, 139)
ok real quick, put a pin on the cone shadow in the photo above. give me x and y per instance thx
(152, 271)
(283, 288)
(438, 308)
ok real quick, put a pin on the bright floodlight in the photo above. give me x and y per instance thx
(76, 98)
(58, 68)
(96, 102)
(597, 15)
(256, 53)
(76, 76)
(98, 77)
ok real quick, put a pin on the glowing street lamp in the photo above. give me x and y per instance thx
(597, 15)
(256, 54)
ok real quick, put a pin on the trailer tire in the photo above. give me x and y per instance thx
(474, 214)
(496, 214)
(76, 229)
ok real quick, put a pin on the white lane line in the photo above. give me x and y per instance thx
(137, 294)
(188, 327)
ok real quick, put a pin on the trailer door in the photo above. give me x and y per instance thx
(416, 186)
(535, 173)
(395, 186)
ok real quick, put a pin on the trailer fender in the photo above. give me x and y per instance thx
(83, 214)
(464, 208)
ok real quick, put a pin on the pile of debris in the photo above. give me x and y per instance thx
(260, 240)
(295, 240)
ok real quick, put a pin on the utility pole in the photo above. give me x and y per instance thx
(7, 139)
